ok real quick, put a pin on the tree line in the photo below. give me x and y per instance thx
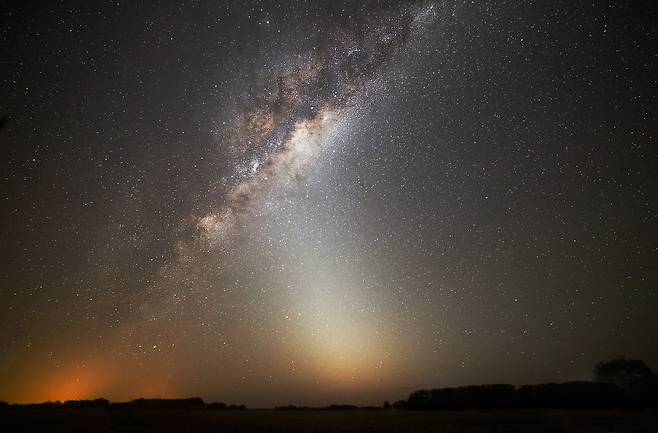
(620, 382)
(140, 403)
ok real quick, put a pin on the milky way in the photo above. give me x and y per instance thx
(280, 134)
(324, 202)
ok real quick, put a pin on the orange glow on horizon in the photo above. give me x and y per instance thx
(91, 383)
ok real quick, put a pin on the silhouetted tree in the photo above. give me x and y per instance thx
(632, 375)
(420, 399)
(623, 372)
(387, 405)
(99, 402)
(288, 407)
(161, 403)
(340, 407)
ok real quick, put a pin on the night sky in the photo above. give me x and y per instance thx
(324, 202)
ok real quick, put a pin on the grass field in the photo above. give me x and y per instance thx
(363, 421)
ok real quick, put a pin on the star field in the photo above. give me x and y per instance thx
(318, 202)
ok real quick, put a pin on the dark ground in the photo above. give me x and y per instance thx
(204, 420)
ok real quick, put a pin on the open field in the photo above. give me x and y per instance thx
(39, 419)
